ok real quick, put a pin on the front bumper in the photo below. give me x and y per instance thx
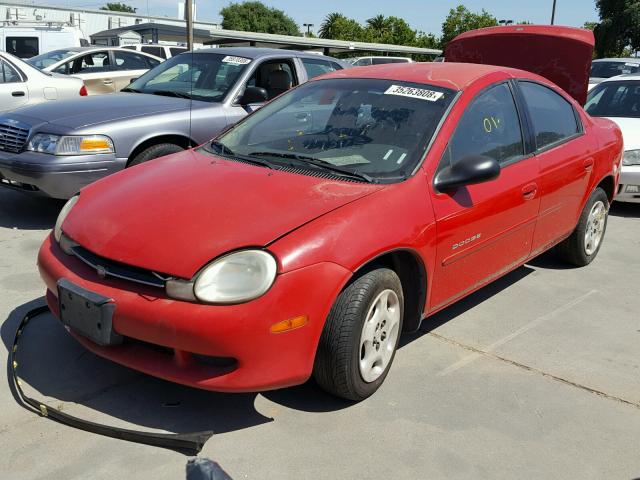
(629, 178)
(263, 360)
(55, 176)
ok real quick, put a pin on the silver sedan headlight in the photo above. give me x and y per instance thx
(70, 144)
(235, 278)
(631, 157)
(57, 230)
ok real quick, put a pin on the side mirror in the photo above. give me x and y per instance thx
(467, 171)
(253, 95)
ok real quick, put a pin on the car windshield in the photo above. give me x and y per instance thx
(201, 76)
(611, 69)
(615, 99)
(375, 129)
(47, 59)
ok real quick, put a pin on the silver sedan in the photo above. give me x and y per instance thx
(21, 84)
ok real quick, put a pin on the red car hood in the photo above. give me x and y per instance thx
(560, 54)
(175, 214)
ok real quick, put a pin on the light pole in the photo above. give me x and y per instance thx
(308, 25)
(553, 12)
(189, 14)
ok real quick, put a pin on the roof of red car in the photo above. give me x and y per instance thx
(456, 76)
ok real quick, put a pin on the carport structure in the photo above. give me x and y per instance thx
(150, 32)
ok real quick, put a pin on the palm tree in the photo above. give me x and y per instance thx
(379, 23)
(328, 26)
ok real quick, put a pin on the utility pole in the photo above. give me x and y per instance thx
(188, 10)
(308, 25)
(553, 12)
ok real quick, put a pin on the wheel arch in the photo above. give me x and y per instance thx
(177, 139)
(412, 272)
(608, 185)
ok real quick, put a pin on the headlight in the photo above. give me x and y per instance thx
(70, 145)
(631, 157)
(236, 278)
(57, 230)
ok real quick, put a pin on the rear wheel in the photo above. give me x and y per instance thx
(584, 243)
(360, 336)
(155, 151)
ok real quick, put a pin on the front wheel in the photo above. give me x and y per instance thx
(155, 151)
(360, 336)
(584, 243)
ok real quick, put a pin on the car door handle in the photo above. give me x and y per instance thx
(588, 164)
(19, 93)
(529, 191)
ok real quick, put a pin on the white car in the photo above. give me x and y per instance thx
(618, 99)
(604, 68)
(21, 84)
(103, 69)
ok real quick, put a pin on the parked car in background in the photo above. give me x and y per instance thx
(604, 68)
(21, 85)
(34, 39)
(157, 50)
(364, 61)
(103, 69)
(618, 99)
(306, 238)
(180, 103)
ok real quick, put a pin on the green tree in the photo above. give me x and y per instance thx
(257, 17)
(619, 27)
(338, 27)
(461, 19)
(119, 7)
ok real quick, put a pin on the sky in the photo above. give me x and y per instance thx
(424, 15)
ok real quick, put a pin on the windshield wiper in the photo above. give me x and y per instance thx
(129, 89)
(171, 93)
(318, 163)
(227, 152)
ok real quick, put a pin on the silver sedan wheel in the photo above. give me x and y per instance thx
(379, 335)
(595, 227)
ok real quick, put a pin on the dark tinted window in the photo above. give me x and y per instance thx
(317, 66)
(177, 51)
(8, 74)
(553, 116)
(131, 61)
(130, 47)
(380, 61)
(156, 51)
(22, 47)
(611, 69)
(490, 126)
(614, 99)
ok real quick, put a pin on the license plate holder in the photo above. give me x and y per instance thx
(87, 313)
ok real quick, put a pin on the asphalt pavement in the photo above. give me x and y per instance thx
(534, 376)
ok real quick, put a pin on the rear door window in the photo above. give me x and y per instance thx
(155, 51)
(553, 117)
(132, 61)
(490, 126)
(8, 74)
(317, 66)
(22, 47)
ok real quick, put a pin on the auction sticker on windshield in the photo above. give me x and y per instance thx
(236, 60)
(421, 93)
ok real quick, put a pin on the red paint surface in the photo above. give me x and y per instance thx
(175, 215)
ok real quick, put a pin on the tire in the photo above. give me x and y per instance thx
(155, 151)
(579, 249)
(351, 341)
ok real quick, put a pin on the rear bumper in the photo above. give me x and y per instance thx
(263, 360)
(629, 178)
(55, 176)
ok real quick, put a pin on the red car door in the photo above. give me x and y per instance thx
(565, 158)
(485, 229)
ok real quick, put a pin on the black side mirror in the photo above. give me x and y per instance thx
(253, 95)
(467, 171)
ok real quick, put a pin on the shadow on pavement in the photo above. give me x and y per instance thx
(623, 209)
(52, 364)
(27, 212)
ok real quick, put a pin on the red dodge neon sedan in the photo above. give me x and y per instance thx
(304, 240)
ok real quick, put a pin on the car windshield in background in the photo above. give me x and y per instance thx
(201, 76)
(611, 69)
(615, 99)
(375, 129)
(47, 59)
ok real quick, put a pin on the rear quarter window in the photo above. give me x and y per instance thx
(553, 117)
(316, 66)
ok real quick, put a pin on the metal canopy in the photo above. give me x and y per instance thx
(156, 32)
